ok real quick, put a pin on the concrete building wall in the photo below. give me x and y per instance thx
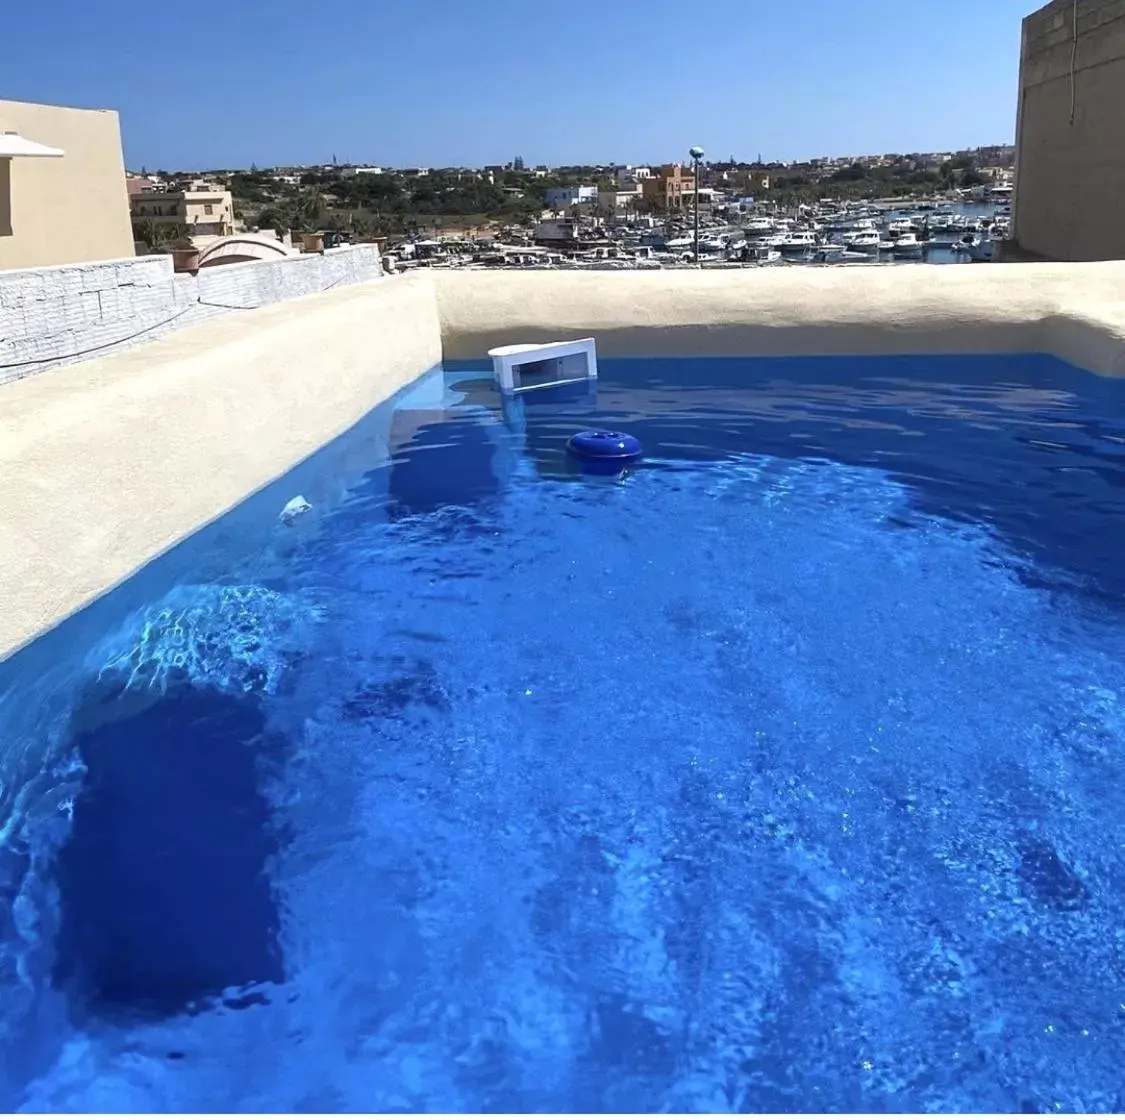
(55, 316)
(74, 208)
(1070, 135)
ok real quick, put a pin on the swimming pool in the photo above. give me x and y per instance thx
(783, 772)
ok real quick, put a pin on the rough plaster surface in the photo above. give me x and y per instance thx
(54, 316)
(109, 463)
(1074, 311)
(1070, 159)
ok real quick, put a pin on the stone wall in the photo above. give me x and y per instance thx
(54, 316)
(1070, 160)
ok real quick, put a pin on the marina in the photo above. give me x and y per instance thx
(826, 233)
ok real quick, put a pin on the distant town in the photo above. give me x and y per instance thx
(361, 202)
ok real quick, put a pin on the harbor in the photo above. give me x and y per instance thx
(822, 234)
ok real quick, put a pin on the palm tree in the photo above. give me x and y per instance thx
(160, 236)
(308, 210)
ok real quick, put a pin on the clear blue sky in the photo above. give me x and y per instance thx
(447, 82)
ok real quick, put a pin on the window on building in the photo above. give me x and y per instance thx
(208, 208)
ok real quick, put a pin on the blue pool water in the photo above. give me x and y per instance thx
(783, 772)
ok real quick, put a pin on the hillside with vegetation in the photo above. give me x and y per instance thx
(897, 177)
(387, 204)
(398, 203)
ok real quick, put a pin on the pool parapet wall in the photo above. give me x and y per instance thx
(1075, 312)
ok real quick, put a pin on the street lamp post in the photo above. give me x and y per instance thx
(696, 155)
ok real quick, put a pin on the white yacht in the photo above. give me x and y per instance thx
(901, 226)
(977, 246)
(984, 249)
(863, 241)
(758, 225)
(799, 240)
(907, 245)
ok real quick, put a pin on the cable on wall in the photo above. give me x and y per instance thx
(146, 330)
(1073, 58)
(100, 346)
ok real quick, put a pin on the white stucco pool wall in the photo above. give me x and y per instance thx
(108, 464)
(1076, 312)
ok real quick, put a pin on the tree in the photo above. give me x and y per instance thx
(160, 237)
(274, 217)
(308, 211)
(851, 174)
(250, 187)
(361, 227)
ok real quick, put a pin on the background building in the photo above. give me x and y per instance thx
(1070, 132)
(65, 208)
(629, 175)
(749, 182)
(207, 211)
(664, 189)
(559, 198)
(618, 203)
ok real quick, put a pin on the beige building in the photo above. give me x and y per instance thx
(207, 211)
(618, 203)
(665, 188)
(1070, 135)
(62, 186)
(746, 181)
